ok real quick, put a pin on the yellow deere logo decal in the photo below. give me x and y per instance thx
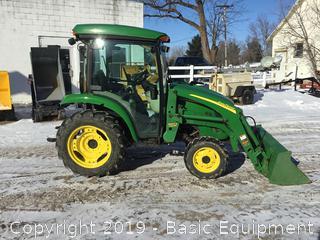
(220, 104)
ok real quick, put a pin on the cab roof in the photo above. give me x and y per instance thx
(113, 30)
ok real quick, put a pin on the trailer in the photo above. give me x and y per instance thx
(238, 86)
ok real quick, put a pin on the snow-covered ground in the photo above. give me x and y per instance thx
(37, 193)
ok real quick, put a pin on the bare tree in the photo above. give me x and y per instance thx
(261, 30)
(301, 27)
(175, 52)
(202, 15)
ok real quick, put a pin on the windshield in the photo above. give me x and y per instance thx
(114, 60)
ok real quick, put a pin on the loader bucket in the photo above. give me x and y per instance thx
(281, 170)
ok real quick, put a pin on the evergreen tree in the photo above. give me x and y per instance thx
(194, 47)
(253, 51)
(233, 53)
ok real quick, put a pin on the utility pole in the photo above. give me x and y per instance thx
(225, 8)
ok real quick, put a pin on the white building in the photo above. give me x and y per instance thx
(32, 23)
(297, 33)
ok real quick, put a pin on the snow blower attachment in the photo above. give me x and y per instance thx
(129, 98)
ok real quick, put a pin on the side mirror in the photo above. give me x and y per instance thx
(165, 48)
(72, 41)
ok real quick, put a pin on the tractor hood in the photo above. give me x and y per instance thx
(206, 97)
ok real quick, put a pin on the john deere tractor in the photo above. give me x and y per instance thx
(127, 98)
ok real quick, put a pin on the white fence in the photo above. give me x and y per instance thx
(205, 72)
(260, 79)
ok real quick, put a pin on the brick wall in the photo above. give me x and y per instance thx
(22, 21)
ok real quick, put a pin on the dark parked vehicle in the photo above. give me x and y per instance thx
(187, 61)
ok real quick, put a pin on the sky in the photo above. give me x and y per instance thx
(180, 33)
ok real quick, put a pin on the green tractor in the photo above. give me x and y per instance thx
(127, 98)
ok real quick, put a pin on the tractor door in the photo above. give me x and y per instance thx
(127, 72)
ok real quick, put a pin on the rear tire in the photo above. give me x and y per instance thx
(247, 97)
(205, 158)
(105, 139)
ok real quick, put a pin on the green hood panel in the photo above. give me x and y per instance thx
(206, 97)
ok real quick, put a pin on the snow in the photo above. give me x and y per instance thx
(283, 105)
(154, 187)
(22, 98)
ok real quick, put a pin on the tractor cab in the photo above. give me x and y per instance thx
(128, 70)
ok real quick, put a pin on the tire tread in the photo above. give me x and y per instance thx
(98, 116)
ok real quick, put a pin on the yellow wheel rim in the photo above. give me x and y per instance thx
(89, 146)
(206, 160)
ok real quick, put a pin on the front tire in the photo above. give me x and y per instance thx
(205, 158)
(91, 143)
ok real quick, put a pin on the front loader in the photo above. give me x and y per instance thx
(128, 98)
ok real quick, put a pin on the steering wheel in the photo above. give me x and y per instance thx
(137, 78)
(140, 77)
